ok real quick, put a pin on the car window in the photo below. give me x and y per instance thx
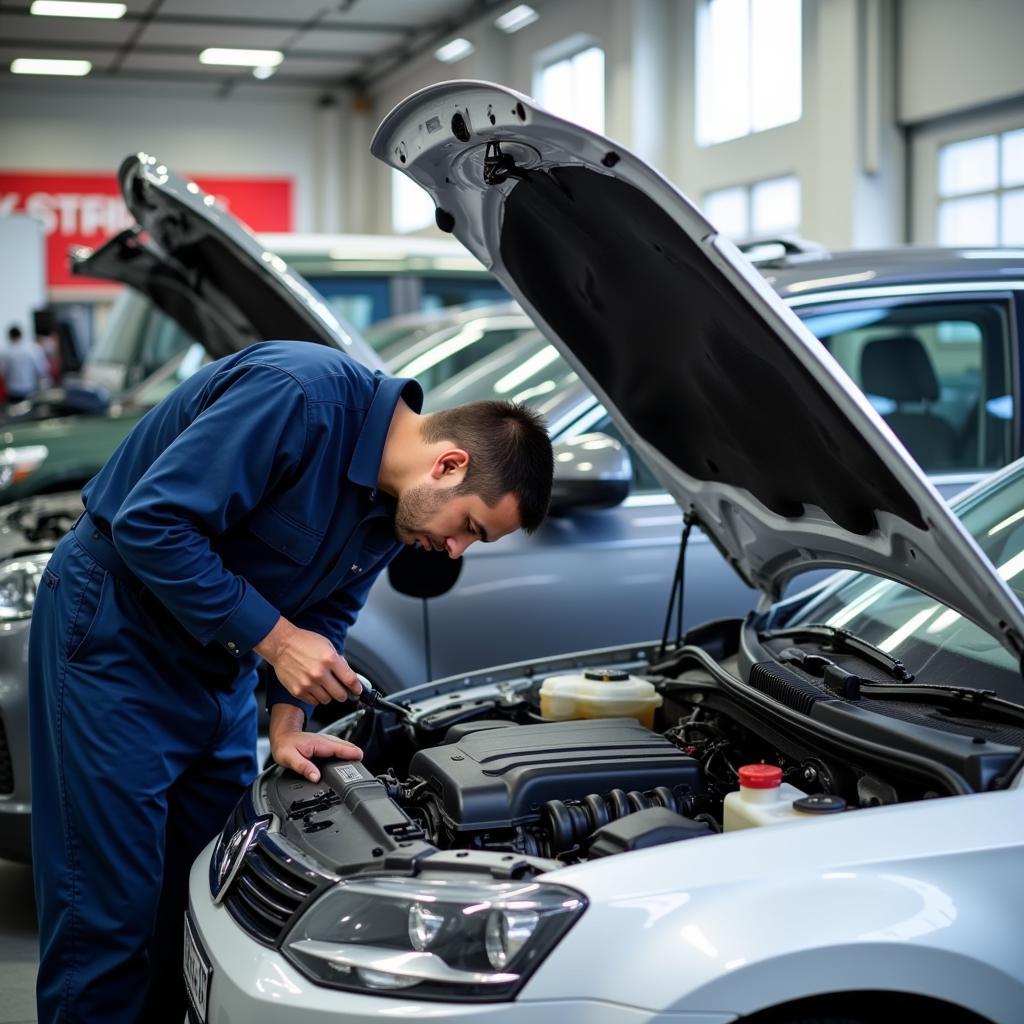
(938, 373)
(160, 384)
(439, 292)
(359, 301)
(934, 641)
(450, 352)
(528, 370)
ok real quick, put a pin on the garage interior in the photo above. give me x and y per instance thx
(838, 132)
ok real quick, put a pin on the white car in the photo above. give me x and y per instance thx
(815, 813)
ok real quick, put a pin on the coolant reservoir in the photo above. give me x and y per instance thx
(762, 799)
(602, 693)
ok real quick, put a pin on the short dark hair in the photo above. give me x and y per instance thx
(509, 449)
(14, 332)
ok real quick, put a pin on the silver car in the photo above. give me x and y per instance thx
(810, 813)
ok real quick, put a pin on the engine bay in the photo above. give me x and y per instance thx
(477, 768)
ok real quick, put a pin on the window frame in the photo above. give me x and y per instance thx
(748, 187)
(1010, 299)
(924, 145)
(565, 50)
(701, 75)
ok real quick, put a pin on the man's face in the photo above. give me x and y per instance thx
(433, 516)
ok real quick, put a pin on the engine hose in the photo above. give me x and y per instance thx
(569, 822)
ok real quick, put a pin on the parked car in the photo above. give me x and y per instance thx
(963, 309)
(363, 279)
(821, 819)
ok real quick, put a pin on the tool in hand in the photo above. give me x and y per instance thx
(370, 698)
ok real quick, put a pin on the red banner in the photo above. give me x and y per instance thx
(86, 209)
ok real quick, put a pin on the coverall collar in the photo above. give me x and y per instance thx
(364, 467)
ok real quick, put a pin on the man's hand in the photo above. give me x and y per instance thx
(307, 664)
(292, 748)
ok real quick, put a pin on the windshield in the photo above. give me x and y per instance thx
(441, 355)
(935, 643)
(529, 370)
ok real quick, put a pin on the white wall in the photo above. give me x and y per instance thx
(92, 126)
(845, 149)
(957, 54)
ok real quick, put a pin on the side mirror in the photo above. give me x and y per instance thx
(423, 574)
(591, 471)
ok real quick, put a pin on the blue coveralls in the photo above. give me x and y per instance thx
(248, 493)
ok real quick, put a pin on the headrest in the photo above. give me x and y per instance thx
(899, 368)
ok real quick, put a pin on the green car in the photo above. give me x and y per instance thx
(62, 453)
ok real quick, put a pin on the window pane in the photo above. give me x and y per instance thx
(574, 88)
(968, 221)
(411, 207)
(723, 59)
(968, 166)
(775, 53)
(727, 210)
(1012, 221)
(775, 206)
(936, 373)
(1013, 158)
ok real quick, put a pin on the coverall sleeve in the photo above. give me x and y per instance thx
(249, 434)
(332, 617)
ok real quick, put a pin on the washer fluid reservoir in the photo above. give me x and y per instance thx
(600, 693)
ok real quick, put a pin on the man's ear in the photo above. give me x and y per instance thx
(451, 464)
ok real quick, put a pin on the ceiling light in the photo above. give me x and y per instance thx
(454, 51)
(77, 9)
(263, 72)
(241, 58)
(32, 66)
(519, 17)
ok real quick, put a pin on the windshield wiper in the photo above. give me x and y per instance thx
(851, 686)
(843, 641)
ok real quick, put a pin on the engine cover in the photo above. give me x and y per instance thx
(502, 777)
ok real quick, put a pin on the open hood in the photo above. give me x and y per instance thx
(195, 262)
(734, 404)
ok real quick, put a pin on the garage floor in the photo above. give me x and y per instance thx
(18, 953)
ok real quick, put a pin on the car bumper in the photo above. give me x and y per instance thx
(256, 985)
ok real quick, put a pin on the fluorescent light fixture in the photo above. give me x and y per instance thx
(241, 58)
(263, 72)
(33, 66)
(76, 9)
(454, 51)
(519, 17)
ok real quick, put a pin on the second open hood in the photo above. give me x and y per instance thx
(197, 263)
(733, 403)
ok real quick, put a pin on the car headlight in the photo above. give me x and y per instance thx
(453, 939)
(19, 581)
(18, 463)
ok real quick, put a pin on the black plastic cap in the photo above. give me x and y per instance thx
(819, 803)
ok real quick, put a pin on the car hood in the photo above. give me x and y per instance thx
(741, 413)
(199, 265)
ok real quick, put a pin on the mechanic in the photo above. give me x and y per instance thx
(244, 517)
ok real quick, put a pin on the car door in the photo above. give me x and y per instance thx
(939, 363)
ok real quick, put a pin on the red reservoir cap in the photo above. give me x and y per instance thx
(760, 776)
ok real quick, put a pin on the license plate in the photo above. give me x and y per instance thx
(197, 970)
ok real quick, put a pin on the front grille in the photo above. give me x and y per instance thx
(267, 893)
(6, 765)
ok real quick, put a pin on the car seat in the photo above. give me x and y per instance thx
(899, 368)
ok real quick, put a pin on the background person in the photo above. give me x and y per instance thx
(23, 365)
